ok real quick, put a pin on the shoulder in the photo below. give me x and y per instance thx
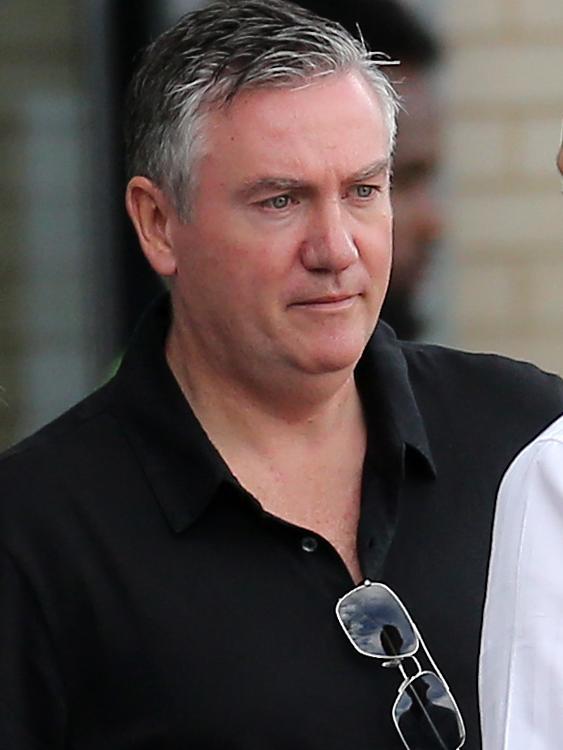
(498, 385)
(480, 409)
(75, 424)
(444, 362)
(40, 475)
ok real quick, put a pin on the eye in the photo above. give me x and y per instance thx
(278, 202)
(366, 191)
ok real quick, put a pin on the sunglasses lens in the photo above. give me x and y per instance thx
(376, 622)
(426, 716)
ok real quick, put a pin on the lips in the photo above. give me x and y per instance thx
(330, 303)
(329, 299)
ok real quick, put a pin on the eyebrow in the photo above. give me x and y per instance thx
(283, 184)
(270, 184)
(374, 169)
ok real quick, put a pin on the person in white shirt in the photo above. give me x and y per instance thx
(521, 662)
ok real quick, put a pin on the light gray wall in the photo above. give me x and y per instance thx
(45, 357)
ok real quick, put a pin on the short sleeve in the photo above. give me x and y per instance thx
(32, 709)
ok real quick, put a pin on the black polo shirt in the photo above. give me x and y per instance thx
(148, 602)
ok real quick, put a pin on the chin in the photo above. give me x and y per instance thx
(338, 358)
(328, 351)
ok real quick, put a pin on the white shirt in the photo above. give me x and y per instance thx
(521, 663)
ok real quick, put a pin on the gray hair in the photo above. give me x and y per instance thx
(211, 55)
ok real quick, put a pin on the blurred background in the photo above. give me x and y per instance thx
(483, 206)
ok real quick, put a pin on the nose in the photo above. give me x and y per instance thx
(328, 245)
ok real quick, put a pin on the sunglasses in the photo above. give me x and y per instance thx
(378, 625)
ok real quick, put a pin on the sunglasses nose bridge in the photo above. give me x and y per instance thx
(394, 663)
(400, 665)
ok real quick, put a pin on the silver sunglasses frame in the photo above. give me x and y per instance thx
(403, 688)
(397, 661)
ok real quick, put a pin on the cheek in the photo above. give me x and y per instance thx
(379, 242)
(241, 273)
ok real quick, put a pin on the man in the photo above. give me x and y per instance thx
(391, 27)
(521, 675)
(174, 547)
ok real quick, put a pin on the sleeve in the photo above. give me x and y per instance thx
(521, 663)
(32, 708)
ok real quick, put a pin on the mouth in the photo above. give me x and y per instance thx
(327, 302)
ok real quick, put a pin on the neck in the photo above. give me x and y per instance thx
(260, 416)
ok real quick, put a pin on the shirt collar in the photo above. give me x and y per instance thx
(384, 383)
(181, 464)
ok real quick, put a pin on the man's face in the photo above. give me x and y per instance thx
(560, 156)
(418, 213)
(285, 260)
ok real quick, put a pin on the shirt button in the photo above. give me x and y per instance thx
(309, 544)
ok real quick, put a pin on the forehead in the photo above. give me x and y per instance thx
(336, 120)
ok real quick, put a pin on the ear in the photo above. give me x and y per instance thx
(151, 213)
